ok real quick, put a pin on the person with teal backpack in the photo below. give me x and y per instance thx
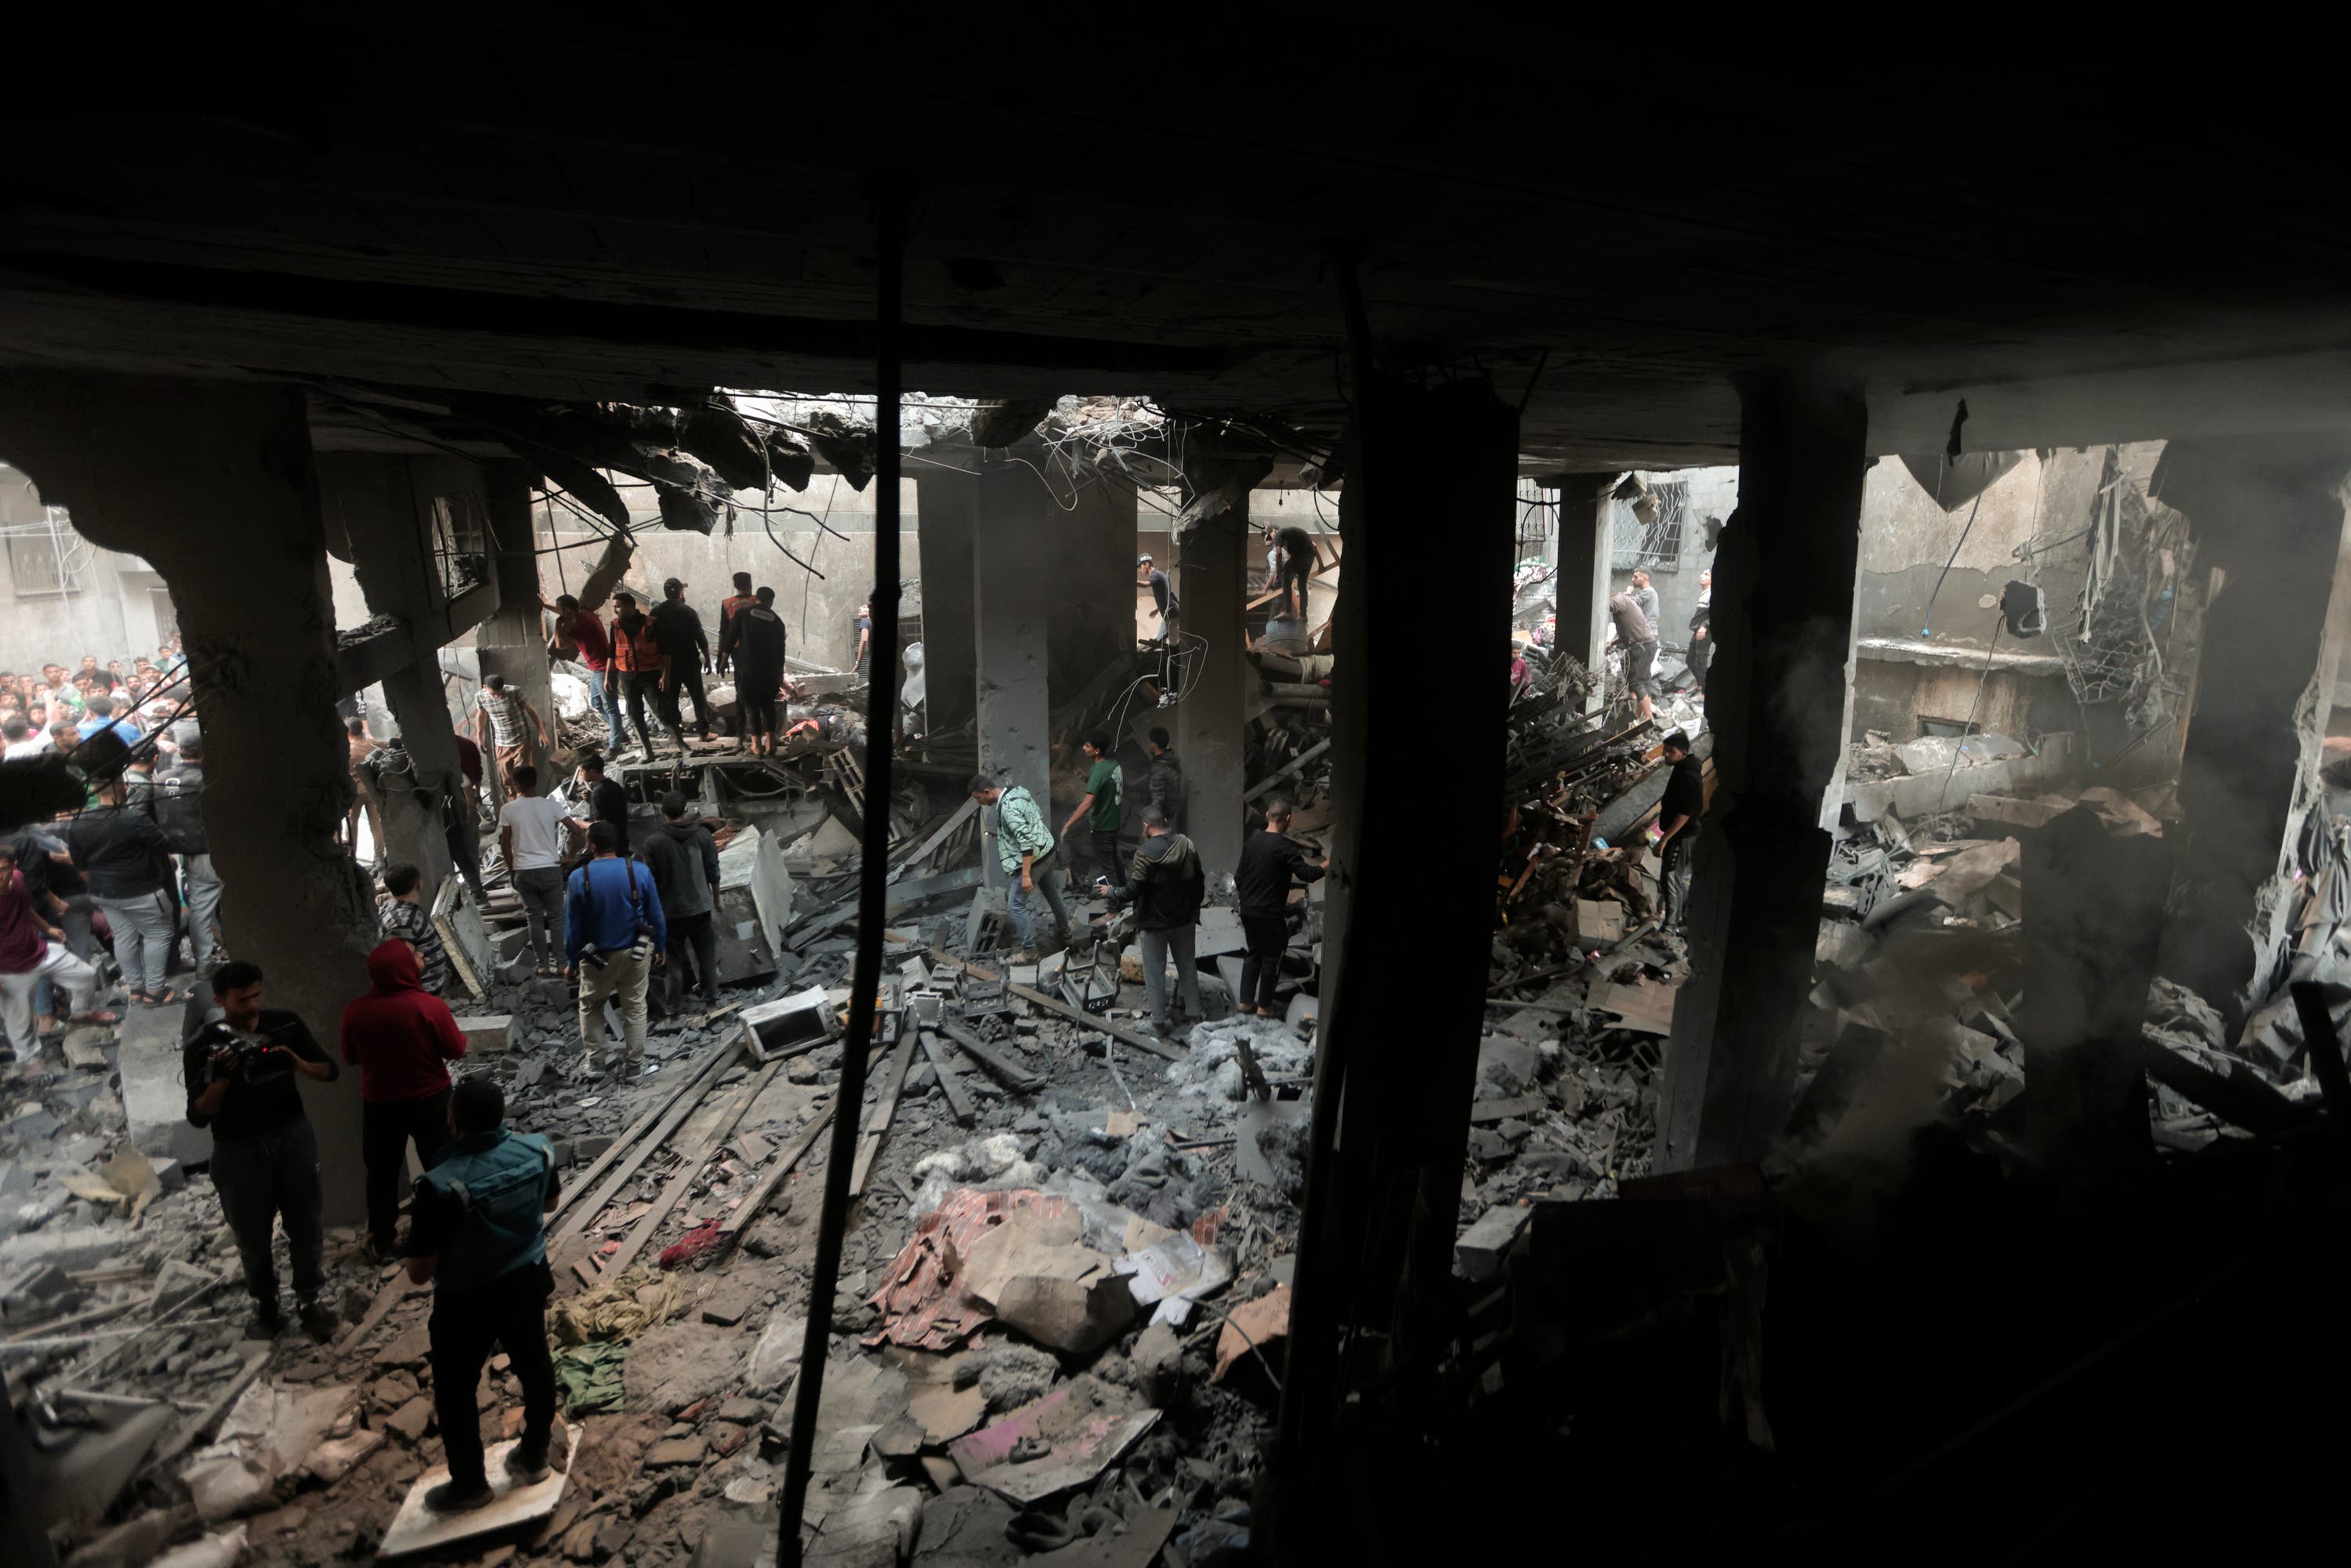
(478, 1236)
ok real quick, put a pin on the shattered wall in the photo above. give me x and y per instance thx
(119, 609)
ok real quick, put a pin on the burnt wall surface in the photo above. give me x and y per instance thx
(1892, 697)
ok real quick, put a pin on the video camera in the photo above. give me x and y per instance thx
(251, 1051)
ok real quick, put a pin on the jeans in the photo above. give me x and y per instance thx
(143, 937)
(687, 681)
(697, 935)
(260, 1178)
(17, 996)
(510, 1311)
(385, 1128)
(637, 685)
(1049, 891)
(622, 977)
(1701, 653)
(603, 701)
(1105, 849)
(203, 911)
(542, 891)
(1156, 946)
(1674, 877)
(1268, 935)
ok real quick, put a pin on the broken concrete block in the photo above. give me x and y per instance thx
(489, 1031)
(1479, 1254)
(592, 1147)
(408, 1422)
(1077, 1317)
(776, 1359)
(2013, 812)
(168, 1174)
(1598, 922)
(673, 1451)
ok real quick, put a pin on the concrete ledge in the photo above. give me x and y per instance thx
(1914, 795)
(1948, 655)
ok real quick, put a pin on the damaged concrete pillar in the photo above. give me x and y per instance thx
(1582, 549)
(513, 640)
(1012, 580)
(1406, 930)
(943, 512)
(211, 482)
(1783, 597)
(1213, 584)
(2269, 517)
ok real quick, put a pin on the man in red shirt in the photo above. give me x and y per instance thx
(401, 1037)
(30, 949)
(579, 627)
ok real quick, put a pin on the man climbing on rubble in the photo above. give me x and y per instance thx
(613, 937)
(1636, 634)
(754, 638)
(1166, 883)
(402, 1037)
(685, 656)
(1301, 557)
(1103, 807)
(1166, 780)
(579, 627)
(1025, 852)
(1678, 811)
(401, 917)
(1271, 864)
(240, 1072)
(637, 662)
(534, 836)
(478, 1237)
(32, 950)
(504, 723)
(684, 859)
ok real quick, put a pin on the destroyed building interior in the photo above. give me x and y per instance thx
(1833, 1041)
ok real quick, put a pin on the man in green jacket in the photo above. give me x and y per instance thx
(1025, 852)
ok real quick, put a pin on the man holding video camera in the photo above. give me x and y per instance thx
(240, 1072)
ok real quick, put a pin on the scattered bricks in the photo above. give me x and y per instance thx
(489, 1031)
(672, 1451)
(725, 1438)
(1479, 1254)
(696, 1411)
(408, 1422)
(743, 1412)
(592, 1147)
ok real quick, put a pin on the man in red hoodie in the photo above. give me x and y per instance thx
(401, 1037)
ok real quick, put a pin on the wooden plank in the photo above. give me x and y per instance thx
(206, 1419)
(561, 1246)
(950, 1080)
(754, 1200)
(637, 1129)
(883, 1109)
(1005, 1070)
(1055, 1005)
(955, 819)
(648, 1223)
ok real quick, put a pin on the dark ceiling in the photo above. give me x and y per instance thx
(448, 205)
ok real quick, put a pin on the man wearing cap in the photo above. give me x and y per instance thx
(685, 656)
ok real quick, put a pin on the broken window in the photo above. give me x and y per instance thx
(1648, 527)
(460, 556)
(47, 559)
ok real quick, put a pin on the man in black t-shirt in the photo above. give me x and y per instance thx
(240, 1069)
(1678, 811)
(1271, 864)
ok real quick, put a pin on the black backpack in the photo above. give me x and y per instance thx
(178, 805)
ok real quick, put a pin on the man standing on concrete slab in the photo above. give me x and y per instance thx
(636, 660)
(1271, 864)
(1167, 883)
(742, 599)
(1678, 811)
(579, 627)
(401, 917)
(534, 835)
(504, 726)
(240, 1072)
(685, 656)
(126, 857)
(1024, 852)
(401, 1038)
(613, 936)
(754, 638)
(607, 802)
(1166, 779)
(1636, 634)
(684, 859)
(1104, 807)
(179, 811)
(32, 950)
(478, 1237)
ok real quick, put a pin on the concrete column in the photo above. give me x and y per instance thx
(1406, 934)
(943, 511)
(1212, 582)
(2270, 519)
(1013, 563)
(1581, 548)
(513, 640)
(1784, 595)
(218, 494)
(1093, 571)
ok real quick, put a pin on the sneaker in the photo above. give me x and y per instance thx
(452, 1497)
(526, 1462)
(265, 1324)
(319, 1320)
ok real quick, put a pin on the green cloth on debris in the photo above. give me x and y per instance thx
(591, 1378)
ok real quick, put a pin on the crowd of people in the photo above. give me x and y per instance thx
(658, 656)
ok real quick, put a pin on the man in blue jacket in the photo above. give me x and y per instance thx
(478, 1236)
(613, 934)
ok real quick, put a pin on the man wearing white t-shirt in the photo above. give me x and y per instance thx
(535, 833)
(23, 739)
